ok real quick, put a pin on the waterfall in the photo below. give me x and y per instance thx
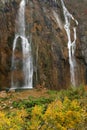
(27, 61)
(71, 44)
(56, 16)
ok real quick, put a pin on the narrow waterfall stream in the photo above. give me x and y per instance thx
(27, 61)
(71, 44)
(56, 16)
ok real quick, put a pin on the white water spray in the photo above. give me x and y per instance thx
(26, 50)
(71, 45)
(56, 16)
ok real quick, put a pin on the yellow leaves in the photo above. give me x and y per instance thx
(37, 110)
(2, 114)
(13, 120)
(3, 121)
(57, 115)
(75, 105)
(35, 125)
(36, 118)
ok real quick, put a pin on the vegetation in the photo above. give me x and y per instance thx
(64, 110)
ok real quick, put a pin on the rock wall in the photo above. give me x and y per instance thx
(49, 42)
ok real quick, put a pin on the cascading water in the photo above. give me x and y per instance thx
(26, 51)
(71, 45)
(57, 19)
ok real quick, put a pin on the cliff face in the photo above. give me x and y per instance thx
(7, 24)
(49, 42)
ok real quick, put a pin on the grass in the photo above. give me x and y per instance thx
(28, 99)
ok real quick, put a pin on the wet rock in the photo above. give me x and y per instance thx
(49, 42)
(11, 91)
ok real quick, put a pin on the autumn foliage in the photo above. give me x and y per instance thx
(66, 113)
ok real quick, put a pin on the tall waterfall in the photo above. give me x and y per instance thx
(27, 61)
(71, 44)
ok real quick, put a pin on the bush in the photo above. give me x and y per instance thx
(31, 102)
(59, 115)
(13, 120)
(64, 110)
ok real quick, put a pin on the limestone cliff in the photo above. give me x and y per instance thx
(49, 41)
